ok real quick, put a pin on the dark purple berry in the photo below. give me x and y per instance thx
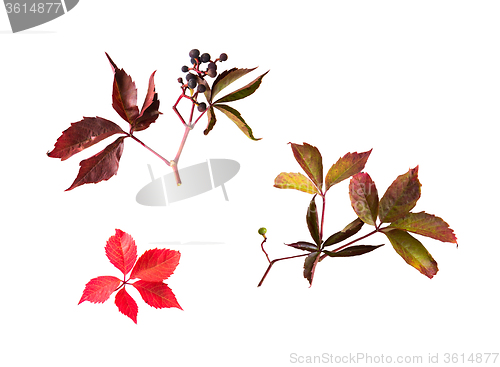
(192, 83)
(223, 57)
(202, 106)
(194, 53)
(205, 57)
(201, 88)
(185, 69)
(211, 73)
(212, 65)
(179, 80)
(189, 76)
(194, 61)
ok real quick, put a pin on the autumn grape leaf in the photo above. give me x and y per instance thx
(226, 78)
(121, 251)
(352, 251)
(151, 268)
(295, 181)
(156, 265)
(426, 225)
(124, 94)
(309, 158)
(350, 230)
(126, 304)
(303, 245)
(310, 266)
(364, 197)
(99, 289)
(211, 120)
(412, 251)
(83, 134)
(156, 294)
(235, 116)
(345, 167)
(243, 92)
(312, 221)
(400, 197)
(101, 166)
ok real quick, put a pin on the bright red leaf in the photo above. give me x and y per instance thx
(156, 294)
(101, 166)
(99, 289)
(83, 134)
(364, 197)
(121, 251)
(126, 304)
(153, 264)
(156, 265)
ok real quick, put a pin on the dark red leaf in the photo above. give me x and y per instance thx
(352, 251)
(211, 120)
(303, 245)
(126, 304)
(311, 162)
(101, 166)
(156, 294)
(124, 94)
(121, 251)
(83, 134)
(99, 289)
(156, 265)
(148, 116)
(312, 221)
(310, 266)
(350, 230)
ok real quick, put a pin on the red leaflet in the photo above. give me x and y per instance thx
(100, 167)
(126, 304)
(99, 289)
(124, 94)
(83, 134)
(121, 251)
(153, 264)
(156, 265)
(156, 294)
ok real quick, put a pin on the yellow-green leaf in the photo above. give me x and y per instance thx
(237, 119)
(295, 181)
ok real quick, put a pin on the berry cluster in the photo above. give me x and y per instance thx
(195, 75)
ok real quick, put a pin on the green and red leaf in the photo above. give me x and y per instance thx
(310, 266)
(242, 92)
(99, 289)
(156, 294)
(83, 134)
(235, 116)
(121, 251)
(295, 181)
(100, 167)
(226, 78)
(426, 225)
(124, 94)
(211, 120)
(350, 230)
(126, 304)
(312, 221)
(364, 197)
(412, 251)
(352, 251)
(345, 167)
(309, 158)
(400, 197)
(156, 265)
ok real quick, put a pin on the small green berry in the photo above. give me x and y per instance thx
(262, 231)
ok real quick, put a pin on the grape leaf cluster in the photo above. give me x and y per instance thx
(151, 269)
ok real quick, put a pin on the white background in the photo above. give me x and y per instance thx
(416, 81)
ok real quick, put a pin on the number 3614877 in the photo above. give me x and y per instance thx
(17, 8)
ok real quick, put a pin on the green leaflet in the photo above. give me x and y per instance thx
(235, 116)
(295, 181)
